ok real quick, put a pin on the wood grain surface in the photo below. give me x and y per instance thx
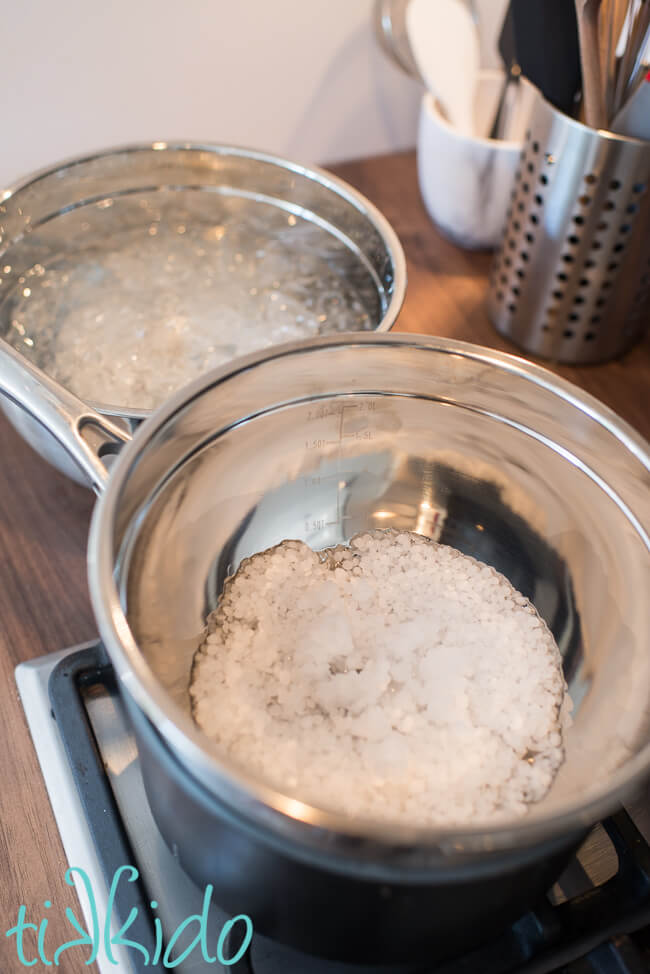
(44, 519)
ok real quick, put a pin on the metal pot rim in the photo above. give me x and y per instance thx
(279, 812)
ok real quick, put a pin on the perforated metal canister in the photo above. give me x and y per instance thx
(571, 281)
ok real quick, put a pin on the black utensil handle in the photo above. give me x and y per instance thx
(547, 48)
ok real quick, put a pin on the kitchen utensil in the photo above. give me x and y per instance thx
(640, 44)
(626, 61)
(638, 76)
(634, 117)
(539, 39)
(512, 68)
(613, 16)
(390, 29)
(444, 41)
(587, 13)
(72, 224)
(547, 50)
(389, 17)
(466, 181)
(614, 37)
(571, 281)
(486, 452)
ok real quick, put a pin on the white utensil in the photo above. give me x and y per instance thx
(445, 44)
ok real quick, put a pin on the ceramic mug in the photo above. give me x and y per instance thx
(466, 180)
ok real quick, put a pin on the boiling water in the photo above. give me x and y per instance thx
(125, 300)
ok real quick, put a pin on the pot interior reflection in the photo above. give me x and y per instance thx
(328, 440)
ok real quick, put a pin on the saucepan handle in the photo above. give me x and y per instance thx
(86, 435)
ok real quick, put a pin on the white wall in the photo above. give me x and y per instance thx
(304, 78)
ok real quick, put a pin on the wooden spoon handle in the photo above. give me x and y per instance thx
(587, 11)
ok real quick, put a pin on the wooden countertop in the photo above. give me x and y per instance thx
(44, 518)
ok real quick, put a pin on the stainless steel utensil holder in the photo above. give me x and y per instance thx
(571, 281)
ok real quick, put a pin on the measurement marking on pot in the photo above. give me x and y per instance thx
(319, 444)
(359, 435)
(319, 479)
(323, 412)
(326, 413)
(339, 509)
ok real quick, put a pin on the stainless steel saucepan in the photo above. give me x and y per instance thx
(140, 233)
(318, 441)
